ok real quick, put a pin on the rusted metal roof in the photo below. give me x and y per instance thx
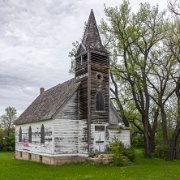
(47, 103)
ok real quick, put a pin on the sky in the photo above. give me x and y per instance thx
(35, 39)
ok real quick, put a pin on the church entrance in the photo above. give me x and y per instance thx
(99, 138)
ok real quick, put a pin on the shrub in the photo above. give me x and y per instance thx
(161, 151)
(121, 155)
(137, 140)
(7, 140)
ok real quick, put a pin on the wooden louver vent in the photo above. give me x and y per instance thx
(100, 59)
(81, 60)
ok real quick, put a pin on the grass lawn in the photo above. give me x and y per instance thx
(140, 169)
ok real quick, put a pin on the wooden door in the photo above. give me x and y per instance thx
(99, 139)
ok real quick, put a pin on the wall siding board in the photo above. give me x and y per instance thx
(122, 135)
(35, 146)
(70, 136)
(70, 109)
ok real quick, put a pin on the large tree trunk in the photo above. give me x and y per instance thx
(164, 126)
(174, 143)
(148, 146)
(148, 140)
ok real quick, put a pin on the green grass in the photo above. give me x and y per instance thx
(140, 169)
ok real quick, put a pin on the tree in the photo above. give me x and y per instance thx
(7, 134)
(144, 56)
(8, 118)
(172, 43)
(135, 38)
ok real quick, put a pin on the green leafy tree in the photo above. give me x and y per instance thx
(7, 119)
(7, 130)
(135, 37)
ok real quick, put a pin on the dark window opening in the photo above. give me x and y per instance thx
(20, 134)
(99, 76)
(21, 154)
(81, 60)
(30, 134)
(99, 101)
(99, 128)
(42, 134)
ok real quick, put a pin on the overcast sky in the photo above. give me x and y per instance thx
(35, 38)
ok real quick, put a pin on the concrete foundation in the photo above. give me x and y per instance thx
(48, 159)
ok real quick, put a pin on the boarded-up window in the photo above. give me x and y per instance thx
(99, 101)
(20, 134)
(42, 134)
(30, 134)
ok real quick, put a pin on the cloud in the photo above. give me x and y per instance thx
(35, 38)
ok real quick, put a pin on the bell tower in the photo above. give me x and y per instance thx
(92, 70)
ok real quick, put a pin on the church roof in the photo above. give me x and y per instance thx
(91, 38)
(47, 103)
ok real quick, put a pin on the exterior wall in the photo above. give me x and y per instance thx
(70, 109)
(101, 85)
(62, 136)
(36, 146)
(70, 134)
(70, 137)
(122, 135)
(113, 119)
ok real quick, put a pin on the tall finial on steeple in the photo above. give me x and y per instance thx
(91, 38)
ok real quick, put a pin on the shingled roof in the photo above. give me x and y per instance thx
(91, 38)
(47, 103)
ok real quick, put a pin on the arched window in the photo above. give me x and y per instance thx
(30, 134)
(99, 101)
(20, 134)
(42, 134)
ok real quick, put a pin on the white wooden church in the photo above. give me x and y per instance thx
(75, 119)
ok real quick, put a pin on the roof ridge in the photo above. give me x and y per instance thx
(46, 104)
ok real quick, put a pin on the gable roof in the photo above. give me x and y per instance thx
(46, 104)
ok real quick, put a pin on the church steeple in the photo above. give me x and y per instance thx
(91, 38)
(91, 50)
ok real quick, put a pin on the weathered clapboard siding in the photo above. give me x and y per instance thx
(70, 136)
(70, 109)
(36, 146)
(101, 85)
(99, 58)
(122, 135)
(114, 118)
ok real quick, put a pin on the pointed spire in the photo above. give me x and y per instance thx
(91, 38)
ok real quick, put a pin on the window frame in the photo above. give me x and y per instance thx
(42, 134)
(102, 96)
(20, 134)
(30, 134)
